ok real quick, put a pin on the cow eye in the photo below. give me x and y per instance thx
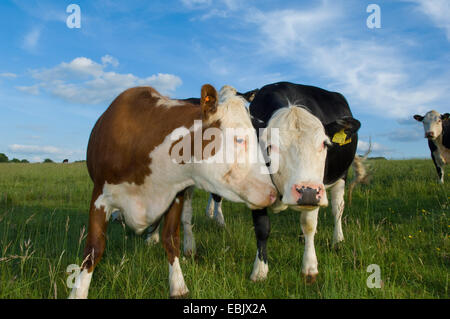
(327, 144)
(239, 140)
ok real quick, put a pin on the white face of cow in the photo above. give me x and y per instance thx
(432, 123)
(302, 152)
(235, 169)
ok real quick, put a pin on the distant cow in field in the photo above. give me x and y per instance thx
(130, 159)
(317, 144)
(66, 161)
(437, 131)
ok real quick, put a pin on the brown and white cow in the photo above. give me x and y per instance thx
(130, 159)
(437, 131)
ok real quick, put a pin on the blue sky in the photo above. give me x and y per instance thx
(56, 81)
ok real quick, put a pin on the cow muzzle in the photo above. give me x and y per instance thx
(429, 135)
(309, 194)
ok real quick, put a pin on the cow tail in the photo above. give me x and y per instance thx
(360, 175)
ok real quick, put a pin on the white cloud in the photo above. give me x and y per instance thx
(290, 30)
(31, 39)
(107, 59)
(37, 152)
(85, 81)
(8, 75)
(220, 9)
(406, 135)
(377, 75)
(438, 11)
(196, 3)
(33, 149)
(33, 89)
(377, 149)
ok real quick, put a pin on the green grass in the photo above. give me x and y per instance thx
(399, 221)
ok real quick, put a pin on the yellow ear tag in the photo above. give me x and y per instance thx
(340, 138)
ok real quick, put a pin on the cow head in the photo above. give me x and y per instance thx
(302, 152)
(233, 167)
(432, 123)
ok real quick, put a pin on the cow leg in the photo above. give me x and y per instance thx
(218, 215)
(214, 209)
(95, 246)
(188, 239)
(171, 243)
(439, 168)
(210, 207)
(337, 206)
(308, 221)
(261, 223)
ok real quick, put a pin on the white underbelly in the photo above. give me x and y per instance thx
(143, 205)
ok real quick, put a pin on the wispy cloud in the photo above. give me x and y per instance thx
(8, 75)
(85, 81)
(196, 3)
(31, 39)
(32, 89)
(37, 152)
(377, 149)
(405, 135)
(438, 11)
(379, 76)
(218, 9)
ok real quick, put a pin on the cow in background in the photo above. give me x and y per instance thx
(437, 131)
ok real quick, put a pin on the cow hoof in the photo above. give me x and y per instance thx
(152, 240)
(221, 223)
(301, 239)
(183, 296)
(338, 246)
(258, 277)
(310, 279)
(189, 253)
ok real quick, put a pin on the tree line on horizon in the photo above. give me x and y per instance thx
(5, 159)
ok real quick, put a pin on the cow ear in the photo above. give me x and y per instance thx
(418, 117)
(248, 96)
(208, 100)
(347, 124)
(445, 116)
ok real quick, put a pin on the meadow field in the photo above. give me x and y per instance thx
(399, 222)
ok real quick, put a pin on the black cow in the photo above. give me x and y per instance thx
(317, 144)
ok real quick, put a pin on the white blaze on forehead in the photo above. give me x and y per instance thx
(432, 123)
(297, 126)
(231, 109)
(226, 92)
(432, 116)
(301, 153)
